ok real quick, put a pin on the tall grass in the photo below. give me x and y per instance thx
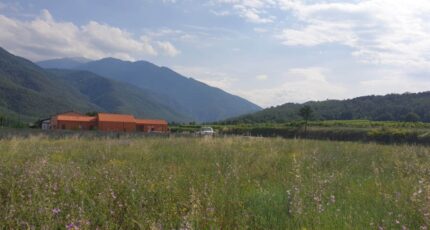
(212, 183)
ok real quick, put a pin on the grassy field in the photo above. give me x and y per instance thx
(212, 183)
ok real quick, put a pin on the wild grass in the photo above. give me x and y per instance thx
(212, 183)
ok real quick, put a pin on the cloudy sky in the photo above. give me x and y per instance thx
(268, 51)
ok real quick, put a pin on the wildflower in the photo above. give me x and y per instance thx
(55, 211)
(72, 226)
(333, 199)
(112, 193)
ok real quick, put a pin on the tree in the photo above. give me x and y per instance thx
(412, 117)
(385, 116)
(427, 117)
(92, 114)
(306, 113)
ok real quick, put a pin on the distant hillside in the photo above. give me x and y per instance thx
(118, 97)
(30, 92)
(63, 63)
(392, 107)
(187, 96)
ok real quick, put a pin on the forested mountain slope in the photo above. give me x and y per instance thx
(392, 107)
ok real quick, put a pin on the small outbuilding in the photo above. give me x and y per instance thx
(45, 124)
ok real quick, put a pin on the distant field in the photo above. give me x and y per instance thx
(387, 132)
(212, 183)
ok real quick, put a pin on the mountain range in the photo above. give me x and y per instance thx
(391, 107)
(145, 90)
(29, 91)
(186, 96)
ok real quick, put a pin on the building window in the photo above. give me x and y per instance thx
(63, 126)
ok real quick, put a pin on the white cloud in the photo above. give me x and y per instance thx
(260, 30)
(394, 32)
(252, 15)
(252, 10)
(169, 1)
(168, 49)
(392, 81)
(262, 77)
(45, 38)
(207, 75)
(221, 13)
(299, 85)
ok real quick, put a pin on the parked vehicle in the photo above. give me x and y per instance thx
(206, 131)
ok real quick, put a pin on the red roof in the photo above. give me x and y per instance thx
(75, 118)
(150, 122)
(109, 117)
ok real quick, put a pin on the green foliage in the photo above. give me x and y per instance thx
(92, 114)
(392, 107)
(345, 130)
(412, 117)
(211, 183)
(426, 117)
(184, 128)
(306, 112)
(8, 122)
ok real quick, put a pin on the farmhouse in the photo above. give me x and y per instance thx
(116, 122)
(107, 122)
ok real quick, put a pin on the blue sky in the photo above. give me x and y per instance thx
(268, 51)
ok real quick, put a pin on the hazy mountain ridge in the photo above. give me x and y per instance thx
(63, 63)
(186, 96)
(114, 96)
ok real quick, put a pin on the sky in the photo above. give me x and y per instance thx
(268, 51)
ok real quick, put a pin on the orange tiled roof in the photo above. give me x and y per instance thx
(150, 122)
(75, 118)
(109, 117)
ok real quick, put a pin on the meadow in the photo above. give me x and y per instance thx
(211, 183)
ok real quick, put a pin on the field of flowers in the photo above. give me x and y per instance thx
(212, 183)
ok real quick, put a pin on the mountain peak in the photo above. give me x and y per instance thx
(191, 97)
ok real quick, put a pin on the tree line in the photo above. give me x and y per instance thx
(409, 107)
